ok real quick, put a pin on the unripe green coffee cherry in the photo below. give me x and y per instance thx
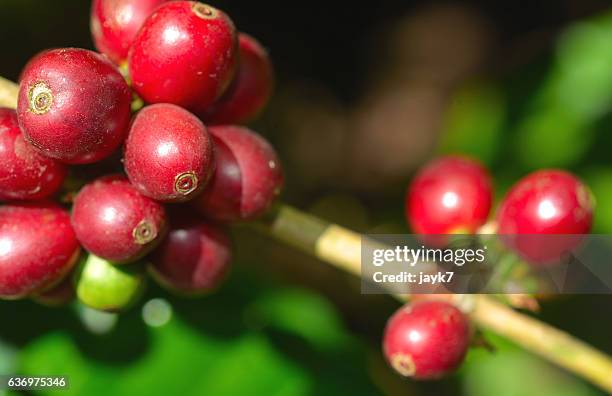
(107, 287)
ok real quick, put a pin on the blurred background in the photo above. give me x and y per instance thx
(365, 94)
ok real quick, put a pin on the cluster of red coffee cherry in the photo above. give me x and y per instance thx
(429, 338)
(192, 68)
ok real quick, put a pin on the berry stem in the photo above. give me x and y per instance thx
(547, 341)
(341, 248)
(8, 93)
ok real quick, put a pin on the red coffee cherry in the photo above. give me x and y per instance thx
(25, 174)
(74, 105)
(115, 23)
(426, 340)
(548, 202)
(37, 248)
(251, 89)
(247, 179)
(185, 54)
(450, 195)
(194, 258)
(168, 153)
(114, 221)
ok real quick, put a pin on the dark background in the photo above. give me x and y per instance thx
(326, 41)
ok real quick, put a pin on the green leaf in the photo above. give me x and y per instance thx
(474, 122)
(301, 313)
(239, 370)
(600, 182)
(511, 371)
(560, 123)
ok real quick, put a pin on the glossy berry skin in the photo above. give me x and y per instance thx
(37, 248)
(449, 195)
(426, 340)
(115, 23)
(546, 202)
(247, 179)
(168, 153)
(185, 54)
(114, 221)
(106, 287)
(250, 90)
(74, 105)
(194, 258)
(25, 174)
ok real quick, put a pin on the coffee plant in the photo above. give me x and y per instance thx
(132, 163)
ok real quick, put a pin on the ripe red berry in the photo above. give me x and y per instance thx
(115, 23)
(449, 195)
(114, 221)
(247, 179)
(25, 174)
(193, 259)
(251, 89)
(426, 340)
(74, 105)
(546, 202)
(185, 54)
(168, 153)
(37, 248)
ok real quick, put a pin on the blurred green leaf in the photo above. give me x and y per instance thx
(304, 314)
(600, 182)
(282, 342)
(474, 122)
(559, 126)
(510, 371)
(8, 357)
(582, 81)
(552, 139)
(243, 361)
